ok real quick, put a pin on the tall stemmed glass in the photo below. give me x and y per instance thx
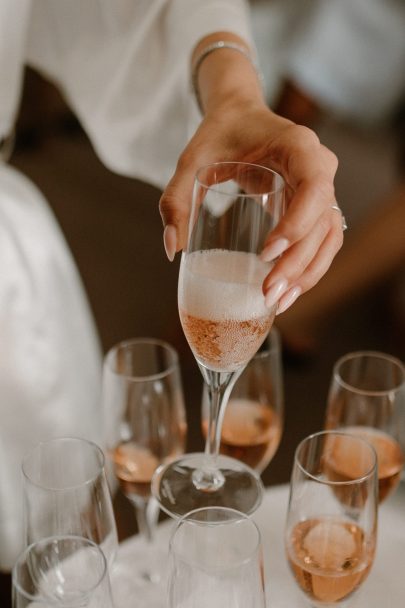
(367, 398)
(145, 426)
(225, 320)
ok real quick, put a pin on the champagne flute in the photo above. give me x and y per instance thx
(331, 525)
(145, 420)
(65, 491)
(253, 420)
(367, 397)
(61, 572)
(225, 320)
(215, 559)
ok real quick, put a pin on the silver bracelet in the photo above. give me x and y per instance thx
(220, 44)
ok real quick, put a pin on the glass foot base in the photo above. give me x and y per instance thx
(174, 488)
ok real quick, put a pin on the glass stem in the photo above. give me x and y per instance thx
(146, 516)
(217, 404)
(219, 385)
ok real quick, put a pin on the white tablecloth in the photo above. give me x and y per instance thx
(385, 586)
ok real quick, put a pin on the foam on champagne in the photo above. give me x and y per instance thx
(223, 285)
(222, 307)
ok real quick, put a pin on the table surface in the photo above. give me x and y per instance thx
(385, 585)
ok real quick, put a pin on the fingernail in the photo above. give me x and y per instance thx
(274, 249)
(274, 293)
(288, 298)
(170, 241)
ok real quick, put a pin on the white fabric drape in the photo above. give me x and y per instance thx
(49, 353)
(123, 66)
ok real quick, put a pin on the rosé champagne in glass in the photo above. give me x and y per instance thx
(367, 398)
(331, 527)
(145, 426)
(225, 320)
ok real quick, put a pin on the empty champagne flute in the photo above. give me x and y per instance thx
(254, 416)
(367, 397)
(215, 559)
(331, 524)
(66, 493)
(225, 320)
(61, 572)
(145, 422)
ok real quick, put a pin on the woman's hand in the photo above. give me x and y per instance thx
(238, 126)
(310, 233)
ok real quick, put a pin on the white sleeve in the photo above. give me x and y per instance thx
(123, 66)
(50, 357)
(350, 55)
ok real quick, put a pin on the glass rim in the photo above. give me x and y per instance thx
(240, 517)
(217, 189)
(87, 481)
(327, 482)
(150, 377)
(372, 354)
(47, 540)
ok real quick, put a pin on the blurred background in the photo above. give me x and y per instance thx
(113, 228)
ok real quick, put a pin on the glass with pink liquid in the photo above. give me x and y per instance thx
(330, 535)
(225, 320)
(367, 398)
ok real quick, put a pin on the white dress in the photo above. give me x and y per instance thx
(123, 67)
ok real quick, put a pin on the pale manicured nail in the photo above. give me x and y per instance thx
(288, 298)
(170, 241)
(274, 293)
(274, 249)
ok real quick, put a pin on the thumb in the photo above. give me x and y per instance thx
(175, 202)
(174, 207)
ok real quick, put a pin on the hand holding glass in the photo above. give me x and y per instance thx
(225, 320)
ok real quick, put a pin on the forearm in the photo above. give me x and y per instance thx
(226, 76)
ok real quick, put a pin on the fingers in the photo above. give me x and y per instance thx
(310, 233)
(308, 168)
(304, 263)
(313, 273)
(312, 197)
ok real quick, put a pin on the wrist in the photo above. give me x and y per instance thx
(224, 73)
(234, 102)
